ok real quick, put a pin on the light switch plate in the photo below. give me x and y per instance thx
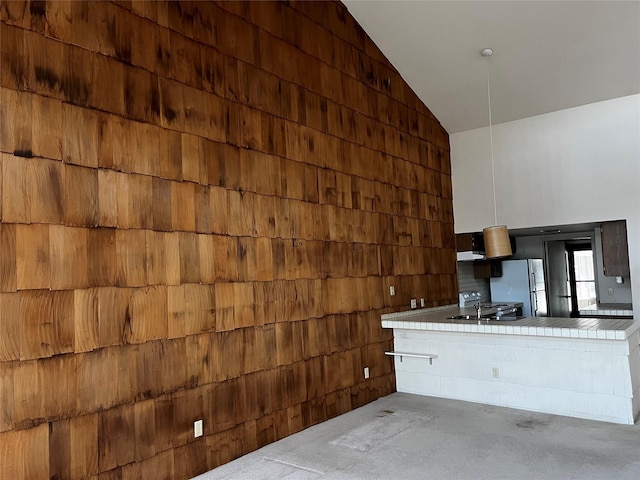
(366, 372)
(197, 428)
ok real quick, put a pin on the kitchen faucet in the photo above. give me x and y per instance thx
(478, 310)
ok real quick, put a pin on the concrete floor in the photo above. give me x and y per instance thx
(405, 436)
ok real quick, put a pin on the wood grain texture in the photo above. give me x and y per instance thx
(86, 320)
(160, 466)
(6, 396)
(84, 445)
(47, 127)
(10, 327)
(116, 437)
(80, 142)
(149, 315)
(8, 258)
(46, 181)
(114, 315)
(95, 389)
(19, 448)
(130, 254)
(57, 384)
(27, 406)
(191, 310)
(202, 205)
(46, 319)
(15, 132)
(68, 257)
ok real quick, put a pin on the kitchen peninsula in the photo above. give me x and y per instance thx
(587, 368)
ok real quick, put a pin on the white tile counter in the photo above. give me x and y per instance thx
(587, 368)
(436, 319)
(609, 309)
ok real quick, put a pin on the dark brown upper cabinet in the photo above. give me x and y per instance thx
(487, 268)
(615, 253)
(470, 242)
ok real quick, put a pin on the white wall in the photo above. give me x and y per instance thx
(578, 165)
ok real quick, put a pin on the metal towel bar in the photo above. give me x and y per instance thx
(430, 356)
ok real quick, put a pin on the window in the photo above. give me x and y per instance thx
(582, 277)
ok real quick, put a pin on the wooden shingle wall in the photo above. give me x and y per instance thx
(203, 206)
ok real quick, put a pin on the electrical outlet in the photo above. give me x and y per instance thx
(610, 292)
(422, 303)
(414, 303)
(392, 290)
(197, 428)
(495, 372)
(366, 372)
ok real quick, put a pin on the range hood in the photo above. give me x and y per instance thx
(470, 256)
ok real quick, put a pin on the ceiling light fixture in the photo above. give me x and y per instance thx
(496, 239)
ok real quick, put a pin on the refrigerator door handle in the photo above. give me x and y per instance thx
(534, 305)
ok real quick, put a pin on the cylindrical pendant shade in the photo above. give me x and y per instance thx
(496, 242)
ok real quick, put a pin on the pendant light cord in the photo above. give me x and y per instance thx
(496, 238)
(493, 168)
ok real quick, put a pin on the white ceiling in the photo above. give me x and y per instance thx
(549, 55)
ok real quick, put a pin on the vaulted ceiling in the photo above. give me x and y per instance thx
(549, 55)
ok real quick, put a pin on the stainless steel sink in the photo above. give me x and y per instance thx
(491, 316)
(502, 318)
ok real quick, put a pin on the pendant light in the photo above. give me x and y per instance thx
(496, 238)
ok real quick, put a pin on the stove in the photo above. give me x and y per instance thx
(493, 310)
(469, 299)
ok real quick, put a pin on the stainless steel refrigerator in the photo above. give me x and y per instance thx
(522, 281)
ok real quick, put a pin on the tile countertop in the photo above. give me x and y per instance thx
(436, 319)
(618, 309)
